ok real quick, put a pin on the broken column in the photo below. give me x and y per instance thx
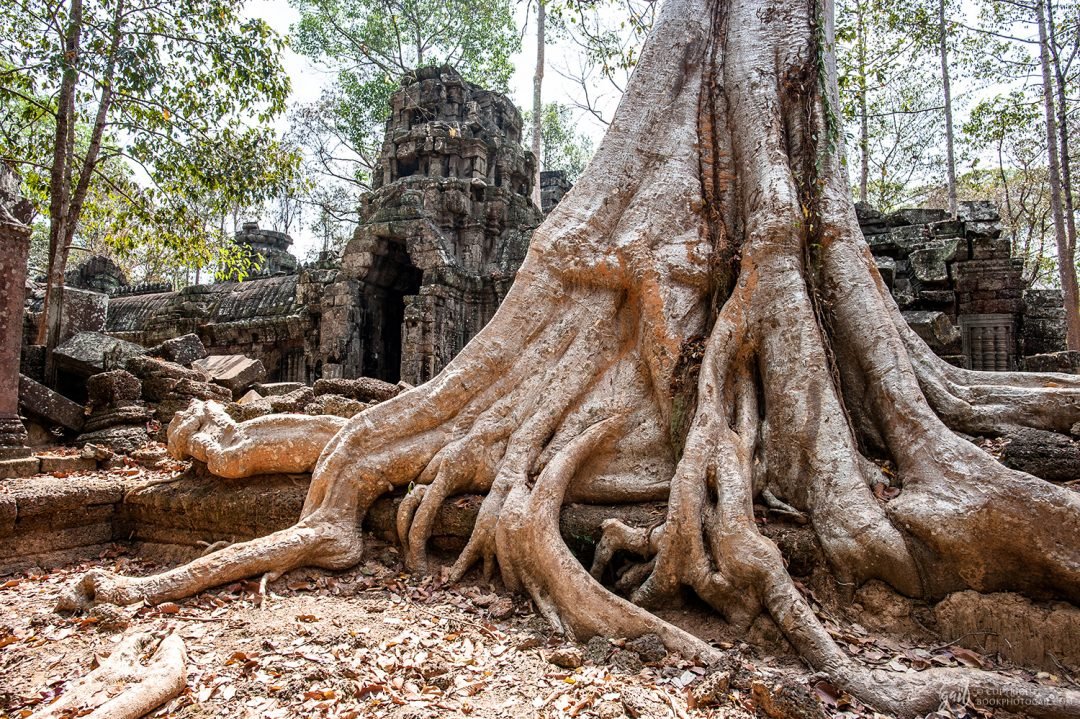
(15, 215)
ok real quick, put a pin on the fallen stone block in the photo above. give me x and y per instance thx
(66, 463)
(114, 388)
(887, 269)
(201, 390)
(364, 389)
(249, 410)
(1040, 634)
(39, 401)
(293, 401)
(276, 389)
(120, 439)
(182, 350)
(979, 210)
(136, 414)
(82, 311)
(20, 467)
(234, 372)
(146, 368)
(929, 265)
(337, 405)
(1064, 362)
(1051, 456)
(916, 216)
(936, 330)
(89, 353)
(249, 397)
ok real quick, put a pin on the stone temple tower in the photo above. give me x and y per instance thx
(442, 233)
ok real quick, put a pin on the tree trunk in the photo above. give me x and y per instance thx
(700, 321)
(538, 107)
(1066, 250)
(864, 124)
(60, 189)
(950, 159)
(1063, 137)
(89, 163)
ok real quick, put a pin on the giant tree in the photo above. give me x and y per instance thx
(701, 321)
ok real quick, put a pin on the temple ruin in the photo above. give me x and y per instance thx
(443, 232)
(445, 228)
(960, 288)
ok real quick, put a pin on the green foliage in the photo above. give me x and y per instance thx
(890, 97)
(563, 147)
(187, 89)
(370, 44)
(611, 32)
(1009, 128)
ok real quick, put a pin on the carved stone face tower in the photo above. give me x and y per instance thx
(443, 231)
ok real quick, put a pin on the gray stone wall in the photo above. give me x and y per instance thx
(553, 185)
(269, 250)
(960, 288)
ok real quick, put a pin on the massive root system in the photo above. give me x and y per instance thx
(716, 208)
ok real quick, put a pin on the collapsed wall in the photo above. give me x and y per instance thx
(443, 232)
(960, 288)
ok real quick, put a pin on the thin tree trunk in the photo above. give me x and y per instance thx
(1063, 133)
(864, 125)
(1066, 252)
(60, 189)
(538, 108)
(90, 161)
(950, 160)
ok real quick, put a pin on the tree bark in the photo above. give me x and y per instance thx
(60, 187)
(946, 88)
(1066, 250)
(700, 321)
(122, 687)
(864, 123)
(89, 163)
(1063, 136)
(538, 106)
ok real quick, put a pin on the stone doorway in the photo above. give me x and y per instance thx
(392, 279)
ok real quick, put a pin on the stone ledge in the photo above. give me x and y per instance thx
(67, 463)
(21, 467)
(1025, 632)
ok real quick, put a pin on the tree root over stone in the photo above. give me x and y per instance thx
(715, 207)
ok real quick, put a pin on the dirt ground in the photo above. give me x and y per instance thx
(377, 642)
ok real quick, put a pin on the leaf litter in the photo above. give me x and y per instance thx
(375, 642)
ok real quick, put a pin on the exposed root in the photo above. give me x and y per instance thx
(126, 685)
(276, 443)
(618, 537)
(572, 600)
(317, 543)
